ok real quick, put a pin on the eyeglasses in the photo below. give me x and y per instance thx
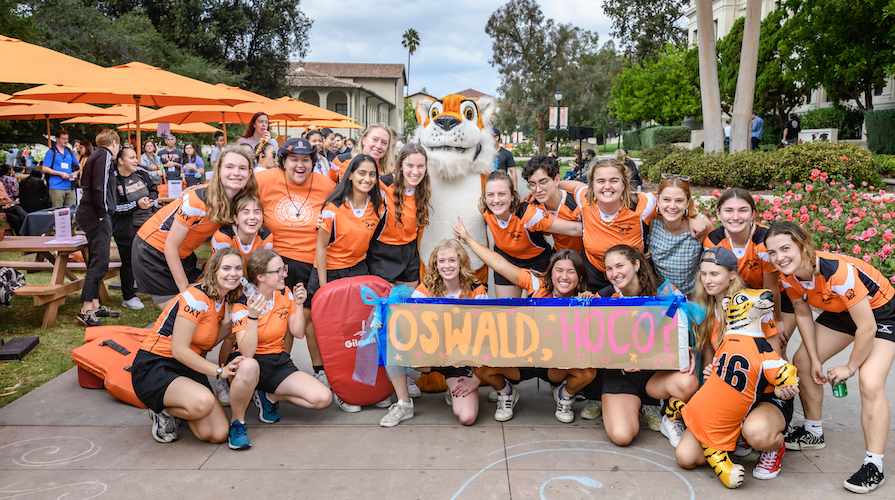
(685, 178)
(540, 184)
(281, 271)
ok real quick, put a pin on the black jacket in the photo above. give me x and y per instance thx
(99, 182)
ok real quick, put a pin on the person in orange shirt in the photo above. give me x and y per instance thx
(565, 276)
(170, 374)
(740, 233)
(163, 258)
(615, 215)
(857, 306)
(394, 254)
(624, 391)
(518, 230)
(450, 275)
(259, 322)
(378, 141)
(542, 175)
(769, 417)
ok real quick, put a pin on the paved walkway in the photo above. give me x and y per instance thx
(62, 441)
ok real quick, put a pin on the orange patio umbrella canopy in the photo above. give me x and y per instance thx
(44, 110)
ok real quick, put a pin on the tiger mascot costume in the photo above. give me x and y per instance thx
(744, 366)
(456, 133)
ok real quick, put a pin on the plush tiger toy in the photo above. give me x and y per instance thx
(744, 365)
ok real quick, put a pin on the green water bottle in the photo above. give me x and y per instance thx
(840, 390)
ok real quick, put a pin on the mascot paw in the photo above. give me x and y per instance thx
(730, 474)
(673, 409)
(787, 375)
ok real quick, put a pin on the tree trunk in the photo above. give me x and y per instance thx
(745, 95)
(708, 78)
(408, 74)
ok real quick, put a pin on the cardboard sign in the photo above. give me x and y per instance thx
(649, 333)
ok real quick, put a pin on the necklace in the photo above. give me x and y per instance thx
(307, 195)
(611, 221)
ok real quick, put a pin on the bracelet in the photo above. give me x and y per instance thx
(849, 371)
(256, 319)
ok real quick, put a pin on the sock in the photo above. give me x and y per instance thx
(564, 394)
(507, 389)
(873, 458)
(318, 369)
(815, 427)
(409, 405)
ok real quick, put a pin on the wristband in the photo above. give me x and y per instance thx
(256, 319)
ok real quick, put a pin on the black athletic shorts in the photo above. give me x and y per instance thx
(634, 383)
(453, 371)
(394, 263)
(152, 273)
(359, 269)
(274, 368)
(151, 375)
(843, 323)
(528, 373)
(539, 263)
(299, 272)
(786, 303)
(786, 407)
(596, 279)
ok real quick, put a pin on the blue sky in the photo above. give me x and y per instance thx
(454, 49)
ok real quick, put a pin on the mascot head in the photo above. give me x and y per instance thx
(746, 309)
(456, 132)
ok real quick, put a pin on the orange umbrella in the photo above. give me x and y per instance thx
(4, 101)
(241, 113)
(311, 112)
(319, 124)
(183, 128)
(179, 90)
(124, 113)
(44, 110)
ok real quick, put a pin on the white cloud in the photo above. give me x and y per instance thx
(454, 50)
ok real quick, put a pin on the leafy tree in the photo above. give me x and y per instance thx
(845, 46)
(410, 41)
(776, 89)
(644, 27)
(660, 90)
(410, 122)
(589, 79)
(532, 54)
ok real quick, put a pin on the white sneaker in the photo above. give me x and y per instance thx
(413, 389)
(592, 410)
(223, 392)
(164, 427)
(505, 404)
(672, 429)
(743, 449)
(397, 413)
(345, 406)
(132, 303)
(321, 377)
(448, 398)
(492, 395)
(385, 403)
(564, 411)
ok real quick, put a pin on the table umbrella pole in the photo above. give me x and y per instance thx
(49, 142)
(224, 124)
(137, 144)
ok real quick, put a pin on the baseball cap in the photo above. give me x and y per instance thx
(297, 145)
(495, 132)
(721, 256)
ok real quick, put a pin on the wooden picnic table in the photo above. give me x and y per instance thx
(53, 294)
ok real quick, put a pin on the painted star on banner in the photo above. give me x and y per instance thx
(633, 357)
(552, 318)
(397, 357)
(455, 310)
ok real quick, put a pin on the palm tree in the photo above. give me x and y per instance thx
(410, 41)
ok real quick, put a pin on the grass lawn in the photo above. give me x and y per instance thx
(52, 356)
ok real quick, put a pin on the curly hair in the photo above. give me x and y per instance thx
(422, 192)
(209, 276)
(433, 281)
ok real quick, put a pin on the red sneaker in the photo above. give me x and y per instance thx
(769, 464)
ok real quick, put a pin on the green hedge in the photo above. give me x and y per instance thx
(885, 165)
(881, 131)
(655, 135)
(760, 169)
(847, 120)
(633, 139)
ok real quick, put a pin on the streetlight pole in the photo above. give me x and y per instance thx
(558, 96)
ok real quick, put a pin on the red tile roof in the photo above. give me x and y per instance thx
(352, 70)
(472, 93)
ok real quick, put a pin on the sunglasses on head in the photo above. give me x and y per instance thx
(685, 178)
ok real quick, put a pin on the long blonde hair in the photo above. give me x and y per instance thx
(385, 167)
(702, 333)
(433, 281)
(628, 198)
(216, 201)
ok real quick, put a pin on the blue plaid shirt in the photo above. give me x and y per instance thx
(675, 256)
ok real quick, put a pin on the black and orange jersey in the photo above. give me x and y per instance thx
(350, 232)
(227, 237)
(479, 292)
(273, 323)
(327, 168)
(291, 211)
(745, 365)
(522, 236)
(393, 233)
(753, 261)
(568, 209)
(627, 227)
(843, 282)
(532, 283)
(190, 210)
(194, 305)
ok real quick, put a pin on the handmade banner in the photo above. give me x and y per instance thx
(649, 333)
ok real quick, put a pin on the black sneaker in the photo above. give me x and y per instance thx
(105, 312)
(865, 480)
(800, 439)
(88, 319)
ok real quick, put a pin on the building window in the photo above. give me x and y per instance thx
(342, 108)
(878, 89)
(808, 97)
(716, 29)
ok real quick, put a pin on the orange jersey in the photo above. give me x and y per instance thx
(628, 227)
(194, 305)
(843, 282)
(393, 233)
(226, 237)
(291, 211)
(753, 261)
(568, 210)
(479, 292)
(350, 232)
(190, 210)
(768, 327)
(273, 323)
(746, 365)
(532, 284)
(522, 236)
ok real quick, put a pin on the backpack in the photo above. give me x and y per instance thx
(10, 279)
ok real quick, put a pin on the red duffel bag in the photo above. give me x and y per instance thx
(339, 315)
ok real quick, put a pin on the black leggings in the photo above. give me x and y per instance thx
(16, 217)
(128, 284)
(99, 238)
